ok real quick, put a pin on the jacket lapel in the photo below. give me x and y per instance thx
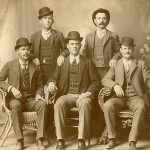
(38, 41)
(66, 67)
(16, 68)
(53, 36)
(106, 36)
(32, 68)
(81, 68)
(133, 66)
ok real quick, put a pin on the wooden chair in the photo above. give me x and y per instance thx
(29, 119)
(124, 116)
(72, 121)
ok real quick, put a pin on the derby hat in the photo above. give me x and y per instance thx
(127, 41)
(44, 11)
(101, 10)
(22, 42)
(73, 35)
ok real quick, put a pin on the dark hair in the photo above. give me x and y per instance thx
(101, 10)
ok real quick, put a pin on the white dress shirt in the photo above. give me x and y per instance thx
(46, 34)
(100, 33)
(72, 59)
(127, 64)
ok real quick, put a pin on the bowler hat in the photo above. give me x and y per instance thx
(22, 42)
(44, 11)
(127, 41)
(101, 10)
(73, 35)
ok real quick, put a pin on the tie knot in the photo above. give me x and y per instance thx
(24, 66)
(74, 62)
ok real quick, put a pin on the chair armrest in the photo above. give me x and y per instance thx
(3, 98)
(50, 98)
(104, 92)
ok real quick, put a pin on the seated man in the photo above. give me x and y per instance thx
(24, 84)
(77, 85)
(128, 81)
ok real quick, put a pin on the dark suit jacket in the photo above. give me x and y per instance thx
(88, 80)
(140, 76)
(57, 44)
(111, 47)
(11, 71)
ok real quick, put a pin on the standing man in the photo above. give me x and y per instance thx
(47, 44)
(24, 84)
(102, 44)
(127, 80)
(78, 85)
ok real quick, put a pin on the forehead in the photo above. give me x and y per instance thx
(124, 47)
(100, 15)
(74, 41)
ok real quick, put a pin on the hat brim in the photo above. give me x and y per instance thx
(16, 47)
(126, 44)
(51, 12)
(67, 39)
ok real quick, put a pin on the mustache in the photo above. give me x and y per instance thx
(102, 23)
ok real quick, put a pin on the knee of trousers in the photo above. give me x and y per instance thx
(42, 105)
(140, 107)
(59, 104)
(108, 106)
(16, 106)
(85, 104)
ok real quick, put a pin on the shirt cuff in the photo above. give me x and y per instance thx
(9, 88)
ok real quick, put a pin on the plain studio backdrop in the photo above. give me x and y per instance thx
(20, 18)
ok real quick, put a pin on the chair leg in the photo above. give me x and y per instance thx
(7, 131)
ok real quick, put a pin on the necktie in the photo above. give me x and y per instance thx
(74, 62)
(25, 76)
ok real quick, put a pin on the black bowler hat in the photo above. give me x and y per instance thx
(127, 41)
(73, 35)
(101, 10)
(44, 11)
(22, 42)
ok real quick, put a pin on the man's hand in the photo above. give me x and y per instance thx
(39, 97)
(17, 94)
(52, 87)
(60, 60)
(112, 63)
(84, 95)
(118, 90)
(36, 61)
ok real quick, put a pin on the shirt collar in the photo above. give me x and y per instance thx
(46, 32)
(72, 58)
(22, 63)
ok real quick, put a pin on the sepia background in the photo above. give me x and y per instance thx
(20, 18)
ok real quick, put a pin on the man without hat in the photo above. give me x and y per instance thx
(77, 84)
(21, 94)
(128, 81)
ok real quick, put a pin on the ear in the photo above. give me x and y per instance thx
(67, 46)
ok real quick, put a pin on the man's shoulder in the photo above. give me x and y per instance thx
(113, 34)
(90, 34)
(36, 33)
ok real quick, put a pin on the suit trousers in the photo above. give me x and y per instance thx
(17, 107)
(66, 102)
(135, 104)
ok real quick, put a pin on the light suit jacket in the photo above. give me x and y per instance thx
(139, 77)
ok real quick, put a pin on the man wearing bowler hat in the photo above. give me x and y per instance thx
(128, 81)
(77, 84)
(24, 92)
(47, 44)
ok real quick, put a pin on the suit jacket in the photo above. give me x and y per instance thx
(88, 80)
(57, 44)
(11, 71)
(111, 47)
(139, 77)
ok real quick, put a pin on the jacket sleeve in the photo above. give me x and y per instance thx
(3, 76)
(117, 53)
(94, 81)
(146, 74)
(108, 80)
(32, 47)
(64, 50)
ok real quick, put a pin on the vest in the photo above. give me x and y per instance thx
(98, 57)
(127, 87)
(74, 79)
(25, 82)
